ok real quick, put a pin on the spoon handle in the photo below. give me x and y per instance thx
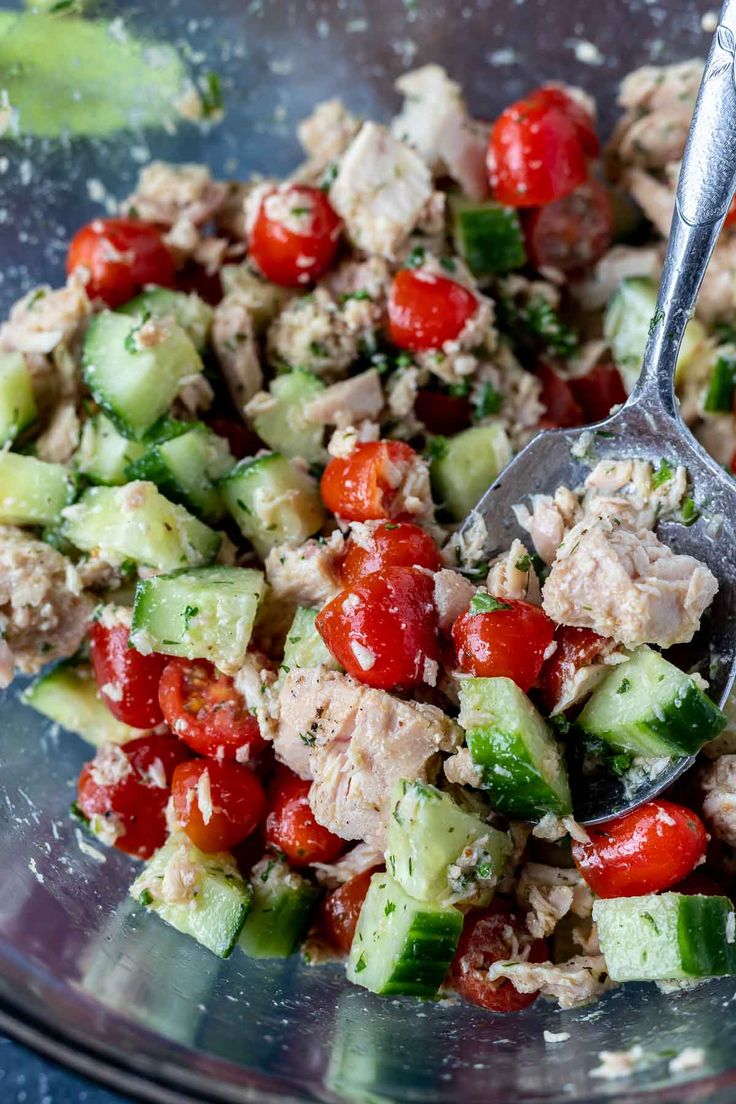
(704, 193)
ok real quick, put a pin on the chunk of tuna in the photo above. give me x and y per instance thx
(307, 575)
(348, 402)
(234, 342)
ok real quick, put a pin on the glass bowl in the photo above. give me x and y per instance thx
(85, 976)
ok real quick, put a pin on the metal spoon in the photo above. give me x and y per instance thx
(649, 426)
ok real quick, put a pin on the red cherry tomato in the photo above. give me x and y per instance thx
(731, 216)
(217, 804)
(571, 233)
(127, 680)
(195, 277)
(488, 936)
(365, 485)
(598, 391)
(557, 96)
(426, 310)
(391, 544)
(383, 629)
(203, 708)
(124, 790)
(442, 413)
(291, 826)
(706, 883)
(646, 851)
(535, 153)
(575, 648)
(733, 464)
(504, 643)
(562, 408)
(341, 909)
(295, 235)
(121, 256)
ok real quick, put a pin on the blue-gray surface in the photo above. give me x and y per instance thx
(26, 1078)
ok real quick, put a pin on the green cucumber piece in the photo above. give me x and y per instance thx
(104, 454)
(203, 613)
(187, 309)
(666, 936)
(463, 467)
(68, 696)
(135, 385)
(629, 315)
(136, 522)
(186, 468)
(220, 900)
(32, 492)
(437, 852)
(488, 236)
(273, 502)
(283, 426)
(521, 763)
(401, 945)
(721, 391)
(650, 707)
(283, 902)
(17, 404)
(304, 647)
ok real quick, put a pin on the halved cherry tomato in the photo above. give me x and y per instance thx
(121, 255)
(571, 233)
(295, 236)
(576, 648)
(489, 936)
(341, 909)
(390, 544)
(383, 629)
(562, 408)
(124, 790)
(508, 642)
(426, 310)
(536, 153)
(127, 680)
(646, 851)
(443, 413)
(203, 708)
(366, 485)
(598, 391)
(217, 804)
(291, 826)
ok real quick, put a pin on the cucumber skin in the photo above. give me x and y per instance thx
(701, 921)
(536, 798)
(488, 236)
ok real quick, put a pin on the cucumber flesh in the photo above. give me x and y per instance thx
(488, 236)
(104, 454)
(437, 852)
(68, 696)
(650, 707)
(402, 945)
(136, 522)
(186, 468)
(273, 502)
(220, 899)
(304, 647)
(188, 311)
(521, 763)
(32, 492)
(17, 404)
(203, 613)
(282, 424)
(283, 902)
(465, 466)
(667, 936)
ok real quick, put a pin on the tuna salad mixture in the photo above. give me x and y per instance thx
(237, 445)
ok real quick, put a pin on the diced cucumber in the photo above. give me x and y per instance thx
(521, 762)
(488, 236)
(220, 899)
(188, 311)
(203, 613)
(17, 404)
(464, 466)
(283, 426)
(103, 453)
(721, 391)
(626, 323)
(304, 647)
(68, 695)
(32, 492)
(136, 384)
(401, 945)
(437, 852)
(186, 467)
(273, 501)
(649, 706)
(282, 906)
(666, 936)
(136, 522)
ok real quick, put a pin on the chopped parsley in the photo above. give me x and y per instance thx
(524, 562)
(146, 898)
(361, 964)
(487, 401)
(211, 94)
(308, 738)
(624, 686)
(662, 475)
(131, 338)
(361, 296)
(437, 448)
(416, 257)
(448, 264)
(190, 612)
(655, 320)
(389, 908)
(690, 512)
(486, 603)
